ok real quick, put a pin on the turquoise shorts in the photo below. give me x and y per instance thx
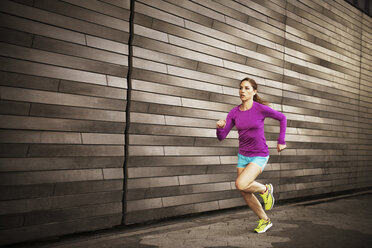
(243, 161)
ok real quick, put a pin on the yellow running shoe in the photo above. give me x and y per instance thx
(263, 225)
(268, 197)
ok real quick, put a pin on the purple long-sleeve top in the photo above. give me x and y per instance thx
(250, 126)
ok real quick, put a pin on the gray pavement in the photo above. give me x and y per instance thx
(344, 221)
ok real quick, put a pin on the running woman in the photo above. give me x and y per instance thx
(253, 151)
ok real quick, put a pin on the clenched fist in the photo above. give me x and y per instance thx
(280, 147)
(221, 124)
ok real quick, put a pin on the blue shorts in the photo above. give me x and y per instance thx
(243, 161)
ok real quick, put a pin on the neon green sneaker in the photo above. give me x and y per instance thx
(268, 197)
(263, 225)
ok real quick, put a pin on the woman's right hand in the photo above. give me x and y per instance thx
(221, 124)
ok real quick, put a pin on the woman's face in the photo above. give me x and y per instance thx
(246, 91)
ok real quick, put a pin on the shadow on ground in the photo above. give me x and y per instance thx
(310, 235)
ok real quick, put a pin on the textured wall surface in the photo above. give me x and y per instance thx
(62, 105)
(312, 60)
(63, 89)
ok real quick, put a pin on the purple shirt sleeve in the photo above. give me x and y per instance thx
(223, 132)
(271, 113)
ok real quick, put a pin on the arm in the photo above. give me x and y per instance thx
(223, 132)
(271, 113)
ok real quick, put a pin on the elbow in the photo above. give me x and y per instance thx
(284, 119)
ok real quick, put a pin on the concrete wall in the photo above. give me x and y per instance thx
(312, 61)
(62, 105)
(63, 99)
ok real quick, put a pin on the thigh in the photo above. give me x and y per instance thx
(249, 173)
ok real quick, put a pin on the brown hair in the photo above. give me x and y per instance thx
(254, 85)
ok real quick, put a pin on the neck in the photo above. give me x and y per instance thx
(246, 105)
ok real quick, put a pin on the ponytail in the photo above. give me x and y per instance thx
(258, 99)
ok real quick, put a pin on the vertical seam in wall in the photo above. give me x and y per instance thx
(284, 52)
(29, 110)
(359, 83)
(127, 111)
(283, 67)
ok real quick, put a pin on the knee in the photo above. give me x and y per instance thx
(242, 186)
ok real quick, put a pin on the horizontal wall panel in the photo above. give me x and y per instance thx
(120, 11)
(9, 93)
(152, 182)
(34, 27)
(13, 150)
(59, 228)
(84, 13)
(39, 204)
(28, 81)
(60, 111)
(178, 160)
(10, 136)
(10, 221)
(60, 60)
(185, 180)
(92, 90)
(180, 150)
(21, 178)
(173, 131)
(20, 192)
(36, 69)
(15, 37)
(160, 140)
(70, 214)
(231, 203)
(146, 215)
(76, 50)
(88, 187)
(136, 194)
(39, 123)
(187, 199)
(48, 190)
(171, 90)
(57, 163)
(14, 108)
(189, 10)
(75, 150)
(164, 171)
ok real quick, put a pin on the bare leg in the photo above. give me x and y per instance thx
(247, 186)
(254, 204)
(246, 179)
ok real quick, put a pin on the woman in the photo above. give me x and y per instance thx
(253, 151)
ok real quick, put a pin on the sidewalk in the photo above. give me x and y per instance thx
(343, 222)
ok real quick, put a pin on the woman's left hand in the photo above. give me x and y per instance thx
(281, 147)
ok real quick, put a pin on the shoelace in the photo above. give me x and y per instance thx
(261, 222)
(265, 197)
